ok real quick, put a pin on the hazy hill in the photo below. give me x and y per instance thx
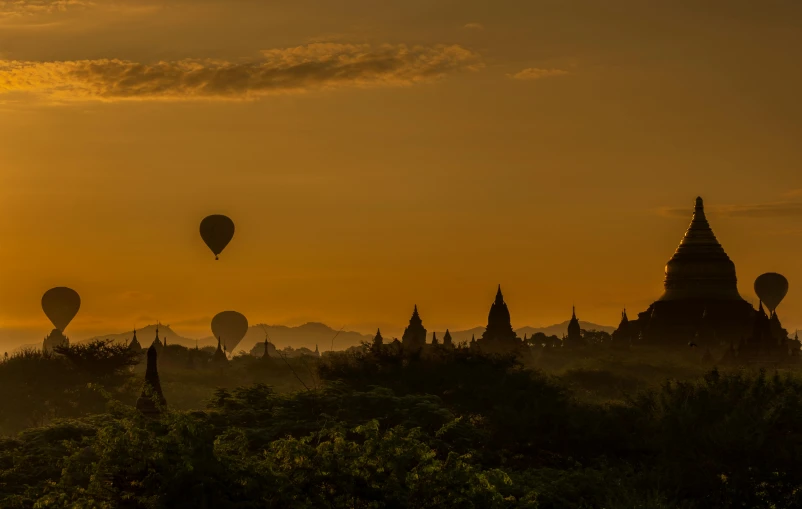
(314, 334)
(307, 335)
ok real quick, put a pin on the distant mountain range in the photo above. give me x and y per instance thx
(307, 335)
(312, 334)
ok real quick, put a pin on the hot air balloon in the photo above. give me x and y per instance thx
(230, 327)
(771, 288)
(217, 231)
(61, 305)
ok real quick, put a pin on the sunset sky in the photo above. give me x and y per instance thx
(376, 155)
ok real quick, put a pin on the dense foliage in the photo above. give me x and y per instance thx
(450, 428)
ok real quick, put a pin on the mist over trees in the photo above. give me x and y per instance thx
(378, 426)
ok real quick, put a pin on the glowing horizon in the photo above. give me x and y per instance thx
(373, 159)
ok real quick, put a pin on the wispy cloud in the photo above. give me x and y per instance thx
(754, 210)
(14, 8)
(534, 73)
(297, 69)
(474, 26)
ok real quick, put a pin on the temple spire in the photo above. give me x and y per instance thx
(152, 399)
(134, 344)
(499, 335)
(700, 268)
(219, 356)
(415, 334)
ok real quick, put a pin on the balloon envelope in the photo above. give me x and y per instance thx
(217, 231)
(230, 327)
(61, 305)
(771, 288)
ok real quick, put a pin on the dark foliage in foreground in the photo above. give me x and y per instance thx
(455, 429)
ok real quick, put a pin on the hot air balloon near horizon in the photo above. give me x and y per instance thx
(771, 288)
(61, 304)
(230, 327)
(217, 231)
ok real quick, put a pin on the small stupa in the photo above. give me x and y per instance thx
(219, 358)
(134, 344)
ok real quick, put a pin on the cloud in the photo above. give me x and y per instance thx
(15, 8)
(534, 73)
(297, 69)
(756, 210)
(474, 26)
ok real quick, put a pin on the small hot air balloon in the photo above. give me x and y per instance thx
(217, 231)
(771, 288)
(61, 305)
(230, 327)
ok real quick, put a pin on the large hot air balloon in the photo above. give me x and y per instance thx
(771, 288)
(217, 231)
(61, 305)
(230, 327)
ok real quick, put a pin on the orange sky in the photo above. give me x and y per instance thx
(375, 155)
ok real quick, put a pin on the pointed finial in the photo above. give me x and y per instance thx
(700, 203)
(573, 312)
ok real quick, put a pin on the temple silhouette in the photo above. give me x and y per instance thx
(701, 302)
(414, 337)
(151, 400)
(574, 337)
(499, 335)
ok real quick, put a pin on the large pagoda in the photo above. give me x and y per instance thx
(701, 299)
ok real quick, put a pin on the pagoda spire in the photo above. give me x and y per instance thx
(378, 340)
(134, 344)
(152, 399)
(700, 268)
(574, 337)
(219, 356)
(447, 341)
(499, 296)
(415, 334)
